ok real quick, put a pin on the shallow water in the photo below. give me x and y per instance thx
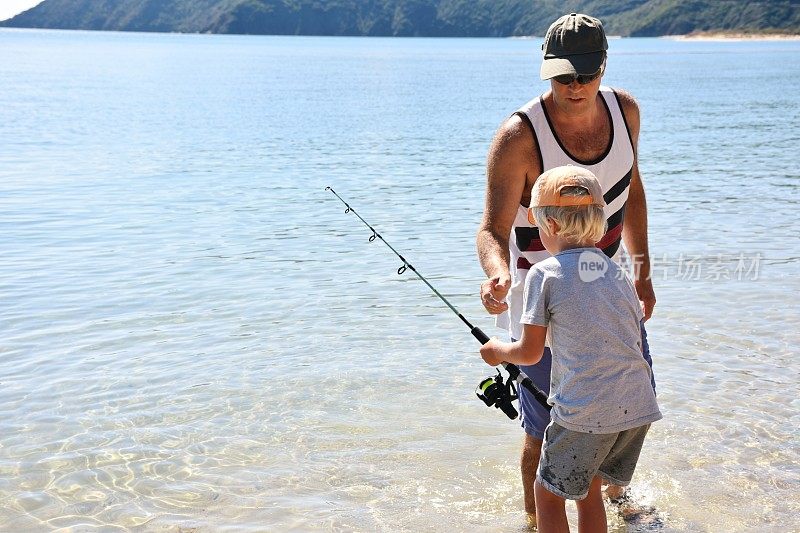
(193, 335)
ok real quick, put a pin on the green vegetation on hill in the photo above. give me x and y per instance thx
(474, 18)
(673, 17)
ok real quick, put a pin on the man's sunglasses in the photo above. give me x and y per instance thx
(583, 79)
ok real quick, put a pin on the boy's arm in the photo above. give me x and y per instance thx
(526, 351)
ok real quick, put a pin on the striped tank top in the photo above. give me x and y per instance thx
(613, 169)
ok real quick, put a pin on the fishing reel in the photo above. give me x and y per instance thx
(495, 393)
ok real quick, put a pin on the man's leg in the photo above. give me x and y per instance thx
(614, 492)
(534, 419)
(531, 450)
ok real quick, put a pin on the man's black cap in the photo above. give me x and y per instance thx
(574, 44)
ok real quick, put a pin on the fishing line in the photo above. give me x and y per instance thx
(491, 390)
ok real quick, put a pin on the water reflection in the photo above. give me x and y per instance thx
(195, 336)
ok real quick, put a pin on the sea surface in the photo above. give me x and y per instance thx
(194, 336)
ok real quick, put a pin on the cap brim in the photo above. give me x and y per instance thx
(577, 64)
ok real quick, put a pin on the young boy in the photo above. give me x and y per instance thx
(585, 308)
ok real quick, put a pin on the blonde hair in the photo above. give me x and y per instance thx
(577, 223)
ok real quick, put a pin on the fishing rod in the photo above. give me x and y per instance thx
(491, 390)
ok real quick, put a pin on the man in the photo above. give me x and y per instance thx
(576, 122)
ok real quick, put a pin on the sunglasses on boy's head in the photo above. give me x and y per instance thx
(583, 79)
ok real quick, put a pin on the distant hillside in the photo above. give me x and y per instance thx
(468, 18)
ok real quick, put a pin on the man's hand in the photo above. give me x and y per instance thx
(492, 352)
(647, 297)
(493, 293)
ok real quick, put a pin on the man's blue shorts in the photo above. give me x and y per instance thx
(535, 417)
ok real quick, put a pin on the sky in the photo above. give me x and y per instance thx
(9, 8)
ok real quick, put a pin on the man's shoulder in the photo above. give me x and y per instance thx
(514, 129)
(625, 97)
(627, 102)
(514, 139)
(532, 105)
(516, 124)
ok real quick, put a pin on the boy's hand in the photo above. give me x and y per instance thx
(492, 352)
(493, 293)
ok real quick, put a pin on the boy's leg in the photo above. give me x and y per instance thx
(568, 469)
(591, 511)
(620, 462)
(613, 491)
(551, 516)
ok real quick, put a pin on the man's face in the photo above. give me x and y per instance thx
(574, 97)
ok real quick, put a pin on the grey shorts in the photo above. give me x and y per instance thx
(571, 459)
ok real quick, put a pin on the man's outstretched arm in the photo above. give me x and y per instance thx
(634, 231)
(507, 165)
